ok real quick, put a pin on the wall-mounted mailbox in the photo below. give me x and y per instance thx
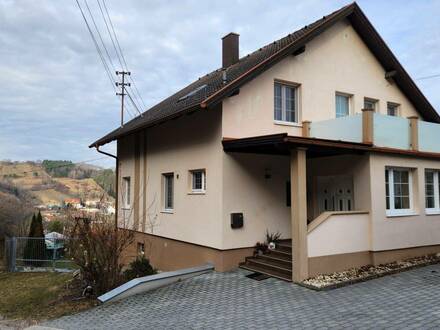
(236, 220)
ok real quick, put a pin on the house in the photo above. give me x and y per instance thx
(321, 136)
(73, 203)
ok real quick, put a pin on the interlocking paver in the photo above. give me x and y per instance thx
(409, 300)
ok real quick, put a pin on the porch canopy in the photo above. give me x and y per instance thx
(282, 144)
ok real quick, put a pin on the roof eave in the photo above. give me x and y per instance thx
(112, 136)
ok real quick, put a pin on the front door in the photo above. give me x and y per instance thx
(335, 193)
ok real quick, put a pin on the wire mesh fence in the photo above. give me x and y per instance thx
(31, 254)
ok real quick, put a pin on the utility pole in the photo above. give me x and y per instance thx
(122, 93)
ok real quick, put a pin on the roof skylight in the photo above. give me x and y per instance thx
(193, 92)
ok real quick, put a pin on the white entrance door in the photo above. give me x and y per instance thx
(335, 193)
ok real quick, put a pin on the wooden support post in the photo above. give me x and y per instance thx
(306, 128)
(414, 132)
(300, 262)
(367, 126)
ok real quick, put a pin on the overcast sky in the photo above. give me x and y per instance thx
(55, 98)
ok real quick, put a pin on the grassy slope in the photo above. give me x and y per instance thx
(85, 188)
(37, 296)
(28, 176)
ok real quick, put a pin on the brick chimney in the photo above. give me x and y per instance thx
(230, 49)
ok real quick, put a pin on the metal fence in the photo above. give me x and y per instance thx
(37, 254)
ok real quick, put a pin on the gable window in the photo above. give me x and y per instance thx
(432, 194)
(285, 103)
(168, 191)
(392, 109)
(398, 186)
(342, 105)
(126, 181)
(198, 181)
(370, 104)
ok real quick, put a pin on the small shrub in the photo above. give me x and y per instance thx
(139, 268)
(260, 248)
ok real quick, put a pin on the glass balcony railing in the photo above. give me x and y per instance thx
(385, 131)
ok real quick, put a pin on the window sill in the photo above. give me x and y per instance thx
(167, 211)
(286, 123)
(203, 192)
(126, 208)
(409, 213)
(432, 211)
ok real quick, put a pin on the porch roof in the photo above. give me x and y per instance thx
(281, 144)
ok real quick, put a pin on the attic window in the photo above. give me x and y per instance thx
(193, 92)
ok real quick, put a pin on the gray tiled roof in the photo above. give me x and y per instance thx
(238, 72)
(213, 81)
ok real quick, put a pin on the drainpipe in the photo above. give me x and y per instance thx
(116, 183)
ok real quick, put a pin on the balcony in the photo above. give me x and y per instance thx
(378, 130)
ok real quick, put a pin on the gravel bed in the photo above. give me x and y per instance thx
(354, 275)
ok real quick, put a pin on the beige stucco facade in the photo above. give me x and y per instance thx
(335, 61)
(255, 184)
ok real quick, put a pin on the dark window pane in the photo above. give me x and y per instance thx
(278, 102)
(430, 202)
(405, 189)
(405, 202)
(397, 203)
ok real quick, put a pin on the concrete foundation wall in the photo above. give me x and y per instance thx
(168, 254)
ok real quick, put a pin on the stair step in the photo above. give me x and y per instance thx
(284, 261)
(280, 254)
(273, 273)
(269, 265)
(286, 247)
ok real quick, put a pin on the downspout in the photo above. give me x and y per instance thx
(116, 183)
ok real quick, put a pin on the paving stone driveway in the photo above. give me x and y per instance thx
(231, 301)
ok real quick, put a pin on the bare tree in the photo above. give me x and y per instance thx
(96, 246)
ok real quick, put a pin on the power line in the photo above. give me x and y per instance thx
(121, 52)
(116, 46)
(104, 63)
(428, 77)
(99, 35)
(134, 104)
(110, 34)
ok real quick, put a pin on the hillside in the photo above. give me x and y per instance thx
(68, 180)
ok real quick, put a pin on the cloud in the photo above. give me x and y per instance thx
(56, 98)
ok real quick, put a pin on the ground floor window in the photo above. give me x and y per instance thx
(140, 249)
(432, 194)
(398, 185)
(126, 195)
(168, 191)
(198, 181)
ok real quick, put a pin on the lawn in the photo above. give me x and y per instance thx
(39, 296)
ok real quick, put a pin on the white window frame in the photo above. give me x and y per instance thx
(349, 99)
(166, 177)
(194, 190)
(396, 106)
(283, 120)
(399, 212)
(127, 191)
(436, 177)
